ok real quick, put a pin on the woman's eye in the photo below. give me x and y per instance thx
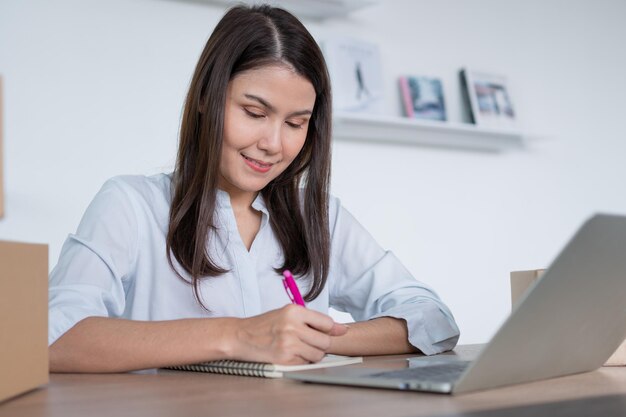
(253, 114)
(294, 125)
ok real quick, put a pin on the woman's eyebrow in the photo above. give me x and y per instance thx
(272, 109)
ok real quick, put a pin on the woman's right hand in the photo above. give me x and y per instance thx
(290, 335)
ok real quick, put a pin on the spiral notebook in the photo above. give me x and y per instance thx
(264, 370)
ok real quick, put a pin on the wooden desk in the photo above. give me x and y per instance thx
(171, 393)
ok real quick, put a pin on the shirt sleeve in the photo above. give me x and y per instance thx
(94, 264)
(369, 282)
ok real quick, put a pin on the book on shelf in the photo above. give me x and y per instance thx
(355, 69)
(263, 370)
(487, 99)
(422, 98)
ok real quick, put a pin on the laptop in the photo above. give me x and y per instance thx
(570, 321)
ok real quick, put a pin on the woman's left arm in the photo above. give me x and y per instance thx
(395, 313)
(381, 336)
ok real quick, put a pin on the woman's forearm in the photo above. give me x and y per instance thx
(290, 335)
(99, 344)
(381, 336)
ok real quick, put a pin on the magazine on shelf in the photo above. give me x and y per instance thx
(355, 73)
(422, 97)
(488, 98)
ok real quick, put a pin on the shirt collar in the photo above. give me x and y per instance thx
(222, 200)
(259, 204)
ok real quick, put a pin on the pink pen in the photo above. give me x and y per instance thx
(292, 289)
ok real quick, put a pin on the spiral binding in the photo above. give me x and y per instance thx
(228, 367)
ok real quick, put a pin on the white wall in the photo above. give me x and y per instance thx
(95, 89)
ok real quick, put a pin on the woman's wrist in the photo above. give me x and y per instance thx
(227, 344)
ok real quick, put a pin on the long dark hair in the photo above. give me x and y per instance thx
(248, 38)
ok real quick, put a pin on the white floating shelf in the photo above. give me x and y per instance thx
(399, 130)
(311, 9)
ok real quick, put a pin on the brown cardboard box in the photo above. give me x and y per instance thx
(23, 317)
(522, 280)
(1, 157)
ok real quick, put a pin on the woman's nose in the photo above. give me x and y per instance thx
(272, 140)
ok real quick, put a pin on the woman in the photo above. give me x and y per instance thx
(182, 268)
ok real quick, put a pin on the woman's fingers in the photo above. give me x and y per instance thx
(339, 329)
(310, 353)
(320, 322)
(321, 340)
(314, 338)
(289, 335)
(315, 319)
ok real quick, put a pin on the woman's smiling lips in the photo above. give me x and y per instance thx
(257, 165)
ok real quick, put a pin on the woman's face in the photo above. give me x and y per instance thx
(265, 126)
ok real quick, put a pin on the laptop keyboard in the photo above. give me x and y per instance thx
(444, 372)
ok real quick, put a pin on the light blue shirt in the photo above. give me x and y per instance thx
(116, 266)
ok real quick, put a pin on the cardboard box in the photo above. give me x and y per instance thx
(23, 317)
(1, 156)
(521, 281)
